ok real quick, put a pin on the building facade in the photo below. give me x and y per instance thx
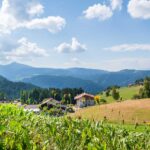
(84, 100)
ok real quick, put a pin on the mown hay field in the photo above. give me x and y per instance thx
(129, 112)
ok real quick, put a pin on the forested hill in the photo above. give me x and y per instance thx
(63, 82)
(91, 80)
(12, 89)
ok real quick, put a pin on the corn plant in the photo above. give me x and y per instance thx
(20, 130)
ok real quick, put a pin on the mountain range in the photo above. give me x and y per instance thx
(12, 89)
(91, 80)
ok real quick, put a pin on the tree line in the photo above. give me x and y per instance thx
(144, 91)
(36, 96)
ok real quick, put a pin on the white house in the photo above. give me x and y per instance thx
(84, 100)
(33, 108)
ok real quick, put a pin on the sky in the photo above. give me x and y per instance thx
(102, 34)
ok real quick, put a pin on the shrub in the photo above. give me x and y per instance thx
(136, 96)
(115, 94)
(103, 101)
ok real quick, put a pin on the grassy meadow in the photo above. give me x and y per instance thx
(126, 93)
(127, 112)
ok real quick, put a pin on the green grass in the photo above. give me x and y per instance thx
(131, 127)
(126, 93)
(20, 130)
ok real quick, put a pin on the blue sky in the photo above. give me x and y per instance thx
(103, 34)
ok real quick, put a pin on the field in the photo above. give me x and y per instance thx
(126, 93)
(20, 130)
(128, 112)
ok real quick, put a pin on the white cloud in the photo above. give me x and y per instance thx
(139, 9)
(35, 9)
(99, 11)
(16, 14)
(21, 50)
(129, 47)
(116, 4)
(52, 24)
(74, 47)
(102, 11)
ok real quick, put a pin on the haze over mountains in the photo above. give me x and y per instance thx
(92, 80)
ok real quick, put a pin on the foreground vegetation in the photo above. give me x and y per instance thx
(27, 131)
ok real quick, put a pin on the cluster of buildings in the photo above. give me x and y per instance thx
(82, 100)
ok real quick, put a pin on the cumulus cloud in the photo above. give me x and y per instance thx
(52, 24)
(16, 14)
(116, 4)
(129, 47)
(139, 9)
(22, 49)
(102, 11)
(74, 47)
(35, 9)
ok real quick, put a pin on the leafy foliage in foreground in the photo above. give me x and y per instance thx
(27, 131)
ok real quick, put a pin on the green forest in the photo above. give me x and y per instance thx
(36, 96)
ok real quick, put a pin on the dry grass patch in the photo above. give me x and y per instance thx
(131, 111)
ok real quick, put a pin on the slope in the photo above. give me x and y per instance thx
(12, 89)
(63, 82)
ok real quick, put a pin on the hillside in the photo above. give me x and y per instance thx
(98, 79)
(126, 93)
(21, 71)
(131, 111)
(12, 89)
(63, 82)
(122, 78)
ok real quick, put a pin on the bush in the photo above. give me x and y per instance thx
(115, 94)
(136, 96)
(70, 110)
(55, 112)
(103, 101)
(107, 93)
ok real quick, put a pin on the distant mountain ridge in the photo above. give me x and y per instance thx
(89, 79)
(17, 72)
(47, 81)
(13, 89)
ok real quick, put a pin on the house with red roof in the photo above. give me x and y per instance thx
(84, 100)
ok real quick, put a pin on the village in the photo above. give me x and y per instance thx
(82, 100)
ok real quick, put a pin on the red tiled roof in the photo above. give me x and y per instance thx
(84, 95)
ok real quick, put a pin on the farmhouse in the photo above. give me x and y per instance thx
(52, 103)
(84, 100)
(33, 108)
